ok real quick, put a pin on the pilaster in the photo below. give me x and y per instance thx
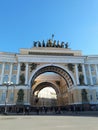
(2, 74)
(77, 75)
(10, 74)
(18, 74)
(26, 74)
(84, 74)
(89, 68)
(96, 69)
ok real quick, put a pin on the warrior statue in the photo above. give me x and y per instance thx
(43, 43)
(58, 44)
(62, 45)
(54, 43)
(66, 45)
(39, 44)
(34, 43)
(49, 43)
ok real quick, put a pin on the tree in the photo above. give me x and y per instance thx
(20, 98)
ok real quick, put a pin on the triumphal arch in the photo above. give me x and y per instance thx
(50, 64)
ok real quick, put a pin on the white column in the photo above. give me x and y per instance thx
(96, 69)
(2, 73)
(84, 73)
(10, 74)
(77, 75)
(26, 74)
(18, 74)
(89, 68)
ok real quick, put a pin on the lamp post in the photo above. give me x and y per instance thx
(7, 84)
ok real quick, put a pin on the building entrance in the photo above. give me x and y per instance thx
(51, 76)
(45, 94)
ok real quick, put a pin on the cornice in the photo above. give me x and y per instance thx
(49, 50)
(51, 59)
(13, 58)
(8, 58)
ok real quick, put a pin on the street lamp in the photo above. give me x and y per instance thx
(6, 98)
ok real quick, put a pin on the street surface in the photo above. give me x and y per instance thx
(48, 122)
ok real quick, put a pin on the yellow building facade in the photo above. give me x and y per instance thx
(73, 76)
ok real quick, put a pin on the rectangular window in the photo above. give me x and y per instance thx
(86, 68)
(91, 97)
(94, 80)
(13, 79)
(14, 67)
(88, 80)
(97, 95)
(7, 67)
(11, 96)
(92, 67)
(0, 66)
(3, 97)
(5, 78)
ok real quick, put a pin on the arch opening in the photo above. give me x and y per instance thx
(47, 97)
(54, 77)
(56, 69)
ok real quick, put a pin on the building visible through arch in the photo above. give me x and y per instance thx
(64, 83)
(73, 76)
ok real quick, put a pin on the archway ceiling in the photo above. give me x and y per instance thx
(45, 84)
(54, 69)
(48, 76)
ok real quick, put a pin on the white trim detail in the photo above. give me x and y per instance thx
(26, 74)
(77, 75)
(89, 68)
(84, 74)
(18, 72)
(2, 74)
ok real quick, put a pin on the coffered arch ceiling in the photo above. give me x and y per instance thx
(42, 85)
(56, 69)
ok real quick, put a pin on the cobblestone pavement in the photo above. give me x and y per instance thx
(48, 122)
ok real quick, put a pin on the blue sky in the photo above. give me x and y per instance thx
(25, 21)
